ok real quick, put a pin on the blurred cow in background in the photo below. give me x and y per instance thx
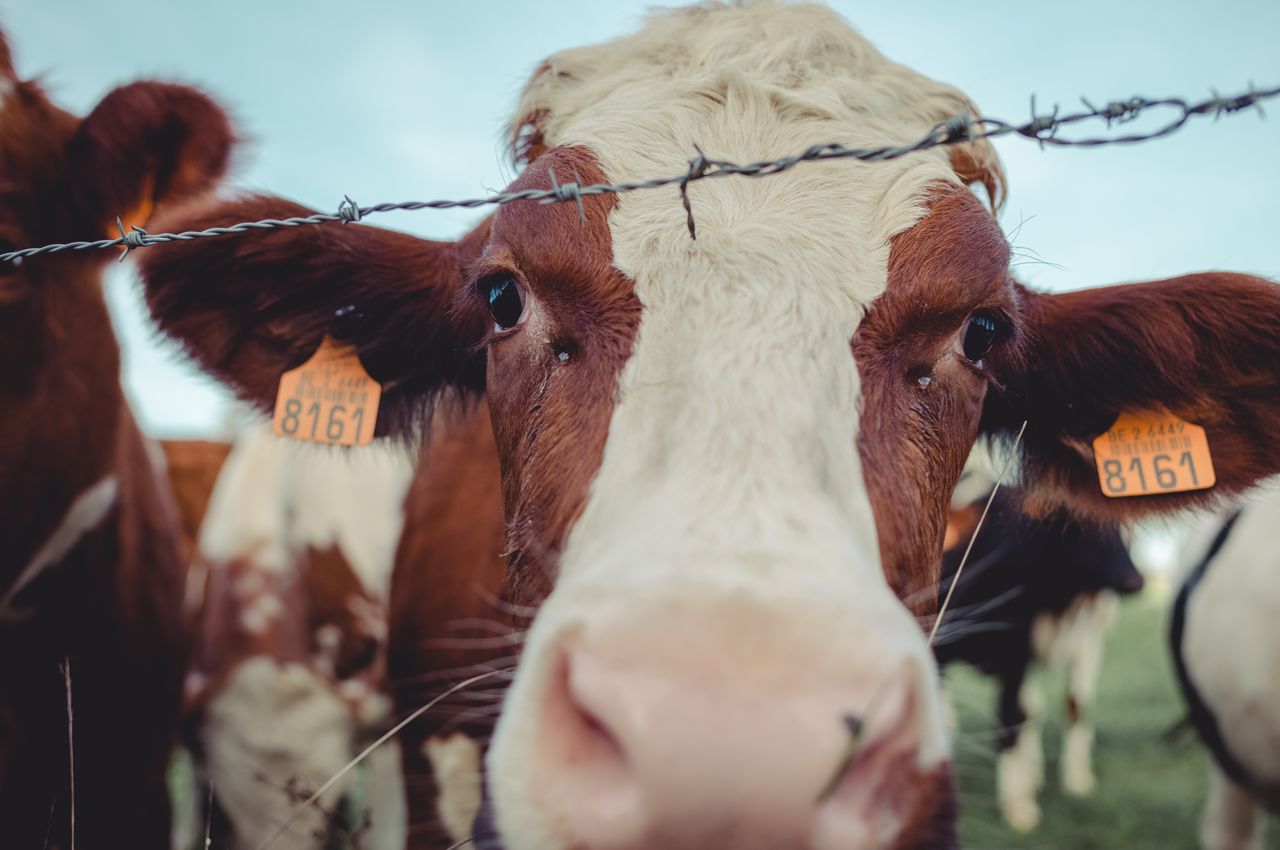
(91, 570)
(291, 578)
(1034, 592)
(1225, 637)
(193, 467)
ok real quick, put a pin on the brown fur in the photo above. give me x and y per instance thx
(113, 604)
(551, 417)
(245, 323)
(319, 589)
(1204, 346)
(450, 567)
(193, 467)
(914, 439)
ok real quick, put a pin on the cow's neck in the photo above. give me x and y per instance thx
(63, 429)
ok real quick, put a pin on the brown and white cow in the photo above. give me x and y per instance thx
(90, 560)
(724, 462)
(292, 571)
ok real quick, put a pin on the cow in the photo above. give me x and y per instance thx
(1225, 649)
(1037, 591)
(724, 462)
(193, 467)
(91, 569)
(286, 682)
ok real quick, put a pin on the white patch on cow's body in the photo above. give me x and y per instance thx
(1232, 818)
(1077, 758)
(1058, 640)
(1094, 622)
(388, 813)
(1020, 769)
(260, 613)
(270, 728)
(193, 685)
(370, 617)
(731, 472)
(1073, 639)
(455, 764)
(328, 641)
(276, 497)
(85, 513)
(1230, 637)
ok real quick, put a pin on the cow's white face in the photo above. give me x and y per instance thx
(725, 462)
(719, 597)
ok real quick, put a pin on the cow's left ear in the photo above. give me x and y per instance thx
(145, 145)
(1204, 347)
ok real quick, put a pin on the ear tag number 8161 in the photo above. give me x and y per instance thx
(329, 399)
(1150, 453)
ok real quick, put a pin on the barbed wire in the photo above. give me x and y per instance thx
(1041, 128)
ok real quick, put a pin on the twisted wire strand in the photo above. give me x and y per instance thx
(1041, 128)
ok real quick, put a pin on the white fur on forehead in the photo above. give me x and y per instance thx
(801, 62)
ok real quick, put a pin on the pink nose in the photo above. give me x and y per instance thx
(637, 755)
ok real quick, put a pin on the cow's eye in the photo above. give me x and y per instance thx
(979, 336)
(506, 302)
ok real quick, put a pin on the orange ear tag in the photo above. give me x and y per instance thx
(329, 399)
(1144, 454)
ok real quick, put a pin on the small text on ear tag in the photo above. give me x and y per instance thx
(329, 399)
(1145, 454)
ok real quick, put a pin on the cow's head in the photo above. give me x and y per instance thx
(728, 460)
(64, 179)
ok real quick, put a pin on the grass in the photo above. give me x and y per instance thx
(1150, 789)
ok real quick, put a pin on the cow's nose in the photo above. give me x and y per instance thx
(633, 757)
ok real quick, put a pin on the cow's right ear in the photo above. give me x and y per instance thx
(249, 307)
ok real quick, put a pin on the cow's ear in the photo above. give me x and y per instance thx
(143, 146)
(1204, 347)
(249, 307)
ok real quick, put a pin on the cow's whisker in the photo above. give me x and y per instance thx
(509, 608)
(505, 664)
(496, 627)
(474, 643)
(1004, 470)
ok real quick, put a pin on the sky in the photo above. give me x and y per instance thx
(390, 101)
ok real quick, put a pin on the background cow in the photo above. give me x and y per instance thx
(720, 456)
(91, 570)
(1035, 591)
(193, 467)
(287, 679)
(1226, 651)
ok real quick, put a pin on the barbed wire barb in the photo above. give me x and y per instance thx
(697, 168)
(136, 237)
(565, 192)
(961, 129)
(349, 211)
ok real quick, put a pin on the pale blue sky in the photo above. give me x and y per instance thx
(405, 100)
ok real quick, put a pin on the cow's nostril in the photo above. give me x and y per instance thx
(590, 734)
(577, 729)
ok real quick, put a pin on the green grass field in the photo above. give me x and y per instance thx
(1150, 789)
